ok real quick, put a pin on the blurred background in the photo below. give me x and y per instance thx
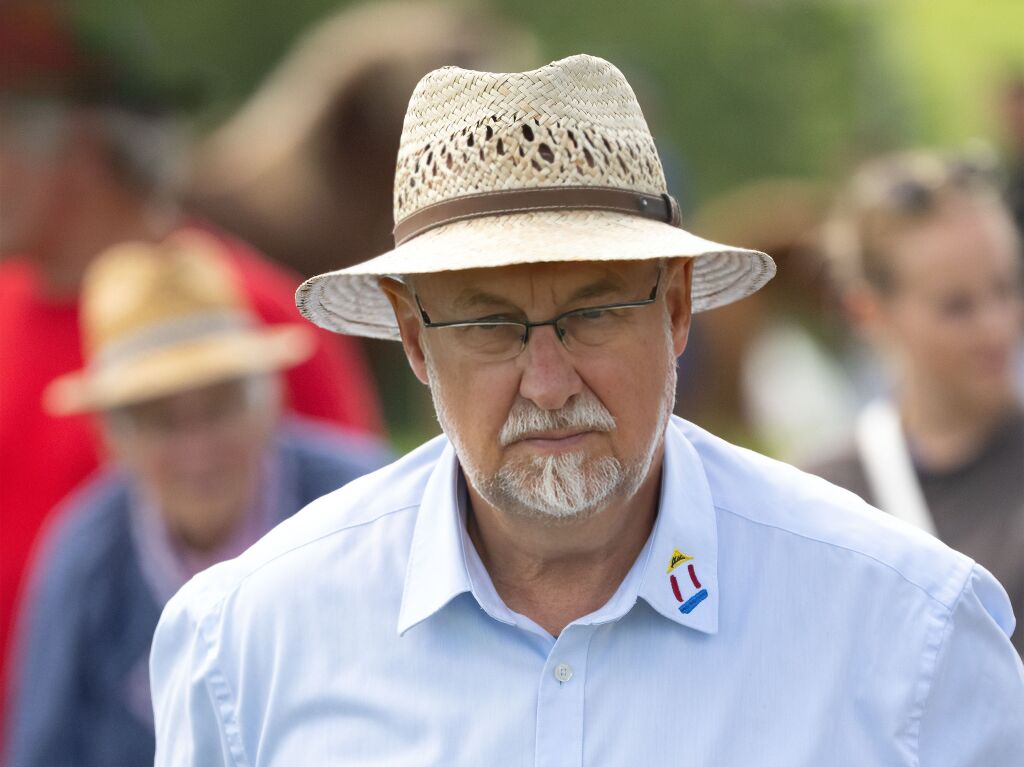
(264, 133)
(736, 92)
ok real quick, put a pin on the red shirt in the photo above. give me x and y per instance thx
(43, 457)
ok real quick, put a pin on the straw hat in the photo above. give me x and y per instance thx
(159, 319)
(556, 164)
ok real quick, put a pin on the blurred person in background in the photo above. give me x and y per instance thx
(928, 260)
(88, 158)
(775, 375)
(302, 170)
(187, 388)
(1011, 109)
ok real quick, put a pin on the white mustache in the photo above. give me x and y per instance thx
(584, 413)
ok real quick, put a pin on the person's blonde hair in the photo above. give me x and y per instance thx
(894, 194)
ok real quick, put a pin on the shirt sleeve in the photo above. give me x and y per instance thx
(193, 705)
(974, 709)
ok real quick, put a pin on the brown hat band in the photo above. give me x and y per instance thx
(661, 207)
(179, 330)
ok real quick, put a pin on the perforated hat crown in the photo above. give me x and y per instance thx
(495, 169)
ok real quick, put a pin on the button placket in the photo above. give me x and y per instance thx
(560, 700)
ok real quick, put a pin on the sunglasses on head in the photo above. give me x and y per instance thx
(916, 194)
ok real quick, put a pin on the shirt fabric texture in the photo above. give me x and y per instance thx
(102, 576)
(811, 630)
(44, 457)
(977, 507)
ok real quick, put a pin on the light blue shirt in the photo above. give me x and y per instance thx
(770, 619)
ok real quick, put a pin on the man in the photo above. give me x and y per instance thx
(928, 262)
(87, 160)
(570, 575)
(187, 388)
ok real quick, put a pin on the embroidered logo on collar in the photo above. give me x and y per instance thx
(688, 604)
(677, 559)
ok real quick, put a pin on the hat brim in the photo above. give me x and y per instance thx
(162, 372)
(350, 300)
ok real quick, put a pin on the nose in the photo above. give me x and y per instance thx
(549, 378)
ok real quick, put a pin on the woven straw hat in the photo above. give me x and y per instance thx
(556, 164)
(160, 319)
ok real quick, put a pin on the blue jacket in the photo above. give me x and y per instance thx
(80, 692)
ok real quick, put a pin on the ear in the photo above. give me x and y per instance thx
(408, 317)
(678, 281)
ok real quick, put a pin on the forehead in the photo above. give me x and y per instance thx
(964, 235)
(190, 399)
(525, 284)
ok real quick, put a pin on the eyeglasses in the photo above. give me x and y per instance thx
(500, 339)
(215, 407)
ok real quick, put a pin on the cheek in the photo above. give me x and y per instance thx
(475, 402)
(938, 342)
(917, 328)
(633, 388)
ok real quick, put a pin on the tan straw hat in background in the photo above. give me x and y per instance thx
(556, 164)
(158, 319)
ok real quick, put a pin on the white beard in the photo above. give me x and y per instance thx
(563, 486)
(571, 485)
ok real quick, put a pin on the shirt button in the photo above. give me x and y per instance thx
(563, 672)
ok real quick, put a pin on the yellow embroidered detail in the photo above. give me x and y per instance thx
(678, 558)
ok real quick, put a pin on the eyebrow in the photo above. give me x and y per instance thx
(606, 286)
(470, 299)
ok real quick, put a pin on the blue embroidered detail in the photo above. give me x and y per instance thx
(687, 606)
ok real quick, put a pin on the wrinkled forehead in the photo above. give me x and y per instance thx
(964, 221)
(535, 285)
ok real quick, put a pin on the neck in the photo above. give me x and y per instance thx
(944, 431)
(104, 221)
(557, 571)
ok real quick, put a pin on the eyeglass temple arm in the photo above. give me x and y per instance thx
(423, 312)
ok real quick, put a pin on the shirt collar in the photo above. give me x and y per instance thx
(683, 546)
(681, 577)
(437, 570)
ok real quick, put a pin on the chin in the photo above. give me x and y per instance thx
(564, 486)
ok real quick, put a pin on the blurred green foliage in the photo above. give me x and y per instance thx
(735, 89)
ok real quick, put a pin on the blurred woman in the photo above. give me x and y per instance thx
(928, 260)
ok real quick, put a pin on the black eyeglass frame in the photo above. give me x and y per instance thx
(554, 322)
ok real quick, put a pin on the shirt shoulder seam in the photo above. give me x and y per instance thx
(934, 652)
(805, 536)
(213, 606)
(221, 694)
